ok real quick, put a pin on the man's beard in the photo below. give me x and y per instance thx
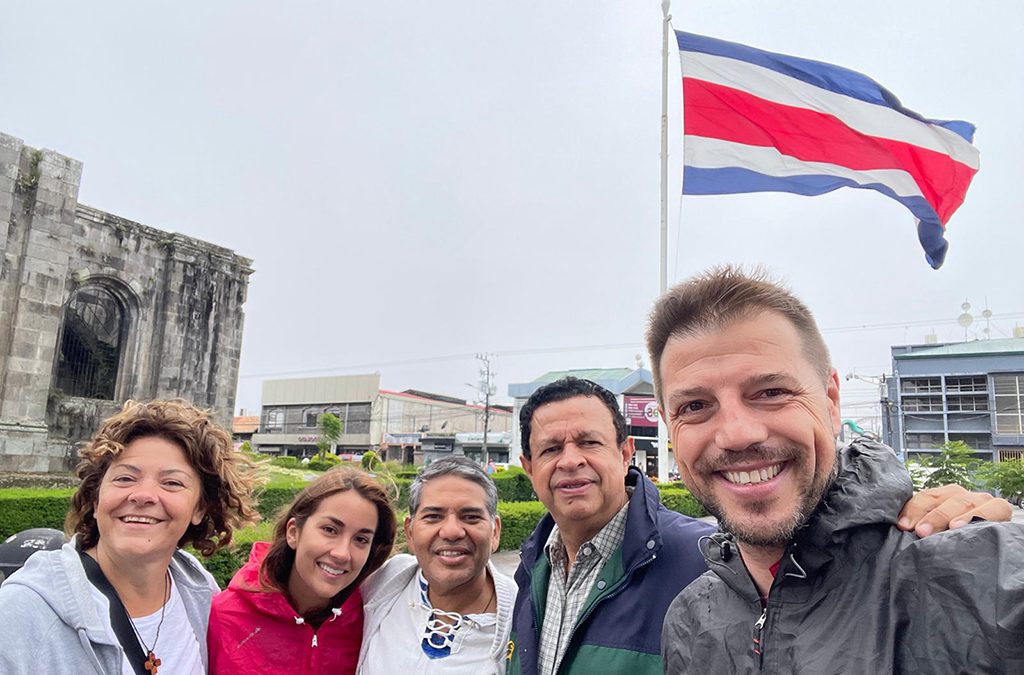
(811, 490)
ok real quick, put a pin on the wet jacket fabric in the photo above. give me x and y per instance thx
(386, 586)
(854, 594)
(257, 631)
(618, 630)
(49, 621)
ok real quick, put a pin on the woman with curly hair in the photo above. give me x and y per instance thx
(121, 596)
(295, 606)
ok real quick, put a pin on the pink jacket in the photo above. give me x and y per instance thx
(255, 631)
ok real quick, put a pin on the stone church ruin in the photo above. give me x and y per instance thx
(96, 309)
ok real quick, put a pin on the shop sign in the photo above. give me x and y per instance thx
(641, 411)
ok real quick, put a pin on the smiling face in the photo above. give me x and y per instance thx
(753, 425)
(148, 497)
(331, 548)
(452, 535)
(577, 469)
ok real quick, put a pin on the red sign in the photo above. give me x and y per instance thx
(641, 411)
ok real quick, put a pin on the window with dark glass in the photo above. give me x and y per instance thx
(90, 346)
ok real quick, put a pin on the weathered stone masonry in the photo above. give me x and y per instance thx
(104, 307)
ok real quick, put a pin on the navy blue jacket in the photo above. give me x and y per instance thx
(619, 627)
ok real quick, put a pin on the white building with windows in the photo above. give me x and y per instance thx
(390, 422)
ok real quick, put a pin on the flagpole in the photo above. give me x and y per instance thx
(663, 456)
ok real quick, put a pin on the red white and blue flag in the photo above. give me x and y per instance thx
(755, 121)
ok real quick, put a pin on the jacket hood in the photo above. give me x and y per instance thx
(870, 488)
(58, 578)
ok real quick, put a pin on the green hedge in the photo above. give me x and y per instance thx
(517, 522)
(513, 485)
(286, 462)
(680, 499)
(25, 508)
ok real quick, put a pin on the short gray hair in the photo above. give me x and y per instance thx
(460, 467)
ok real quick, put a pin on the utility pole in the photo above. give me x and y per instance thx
(486, 391)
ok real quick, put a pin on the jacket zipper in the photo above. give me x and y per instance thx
(612, 592)
(758, 645)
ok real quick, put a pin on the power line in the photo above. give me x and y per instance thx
(585, 348)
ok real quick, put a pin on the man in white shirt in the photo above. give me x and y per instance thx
(446, 610)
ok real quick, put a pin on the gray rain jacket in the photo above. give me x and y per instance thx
(49, 622)
(853, 594)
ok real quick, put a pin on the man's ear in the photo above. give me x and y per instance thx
(496, 536)
(832, 393)
(407, 526)
(628, 449)
(527, 465)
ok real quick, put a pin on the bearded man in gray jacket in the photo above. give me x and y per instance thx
(809, 573)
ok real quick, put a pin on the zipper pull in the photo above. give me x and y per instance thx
(314, 639)
(758, 625)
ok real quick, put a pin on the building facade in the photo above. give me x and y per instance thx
(634, 389)
(96, 309)
(392, 423)
(967, 391)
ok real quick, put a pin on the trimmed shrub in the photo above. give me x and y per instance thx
(327, 463)
(286, 462)
(270, 500)
(518, 519)
(513, 485)
(680, 500)
(25, 508)
(409, 472)
(224, 563)
(370, 461)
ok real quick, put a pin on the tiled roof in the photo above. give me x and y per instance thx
(245, 424)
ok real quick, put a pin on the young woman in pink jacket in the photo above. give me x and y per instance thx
(295, 606)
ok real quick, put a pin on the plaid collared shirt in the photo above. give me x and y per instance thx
(568, 593)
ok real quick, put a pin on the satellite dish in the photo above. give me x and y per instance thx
(965, 319)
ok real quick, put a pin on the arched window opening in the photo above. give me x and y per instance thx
(90, 346)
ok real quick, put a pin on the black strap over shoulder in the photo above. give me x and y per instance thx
(118, 616)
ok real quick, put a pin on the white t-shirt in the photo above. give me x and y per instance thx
(397, 647)
(178, 646)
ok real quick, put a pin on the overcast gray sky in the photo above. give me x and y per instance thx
(417, 181)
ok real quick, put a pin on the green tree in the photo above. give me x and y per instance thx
(330, 428)
(954, 463)
(1006, 477)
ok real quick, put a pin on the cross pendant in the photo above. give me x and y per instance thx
(152, 663)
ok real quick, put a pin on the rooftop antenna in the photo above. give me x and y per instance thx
(965, 319)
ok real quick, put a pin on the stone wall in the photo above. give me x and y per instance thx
(182, 302)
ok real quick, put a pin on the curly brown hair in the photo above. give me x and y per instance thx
(280, 557)
(227, 477)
